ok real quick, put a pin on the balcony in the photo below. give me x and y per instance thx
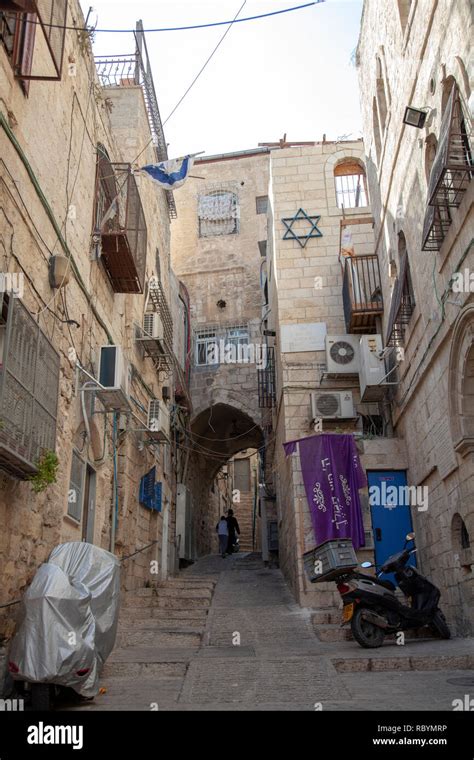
(29, 383)
(120, 221)
(362, 293)
(135, 70)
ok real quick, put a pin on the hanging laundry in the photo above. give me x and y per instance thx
(332, 476)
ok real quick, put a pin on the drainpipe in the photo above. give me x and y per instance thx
(115, 490)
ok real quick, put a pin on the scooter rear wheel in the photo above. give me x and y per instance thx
(365, 633)
(440, 625)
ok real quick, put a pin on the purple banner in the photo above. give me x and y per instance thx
(332, 476)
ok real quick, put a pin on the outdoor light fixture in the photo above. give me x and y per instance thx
(415, 117)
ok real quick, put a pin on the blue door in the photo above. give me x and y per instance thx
(390, 512)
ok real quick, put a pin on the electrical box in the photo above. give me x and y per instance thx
(372, 368)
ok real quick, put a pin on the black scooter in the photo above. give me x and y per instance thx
(373, 608)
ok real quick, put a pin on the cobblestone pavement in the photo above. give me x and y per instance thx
(259, 652)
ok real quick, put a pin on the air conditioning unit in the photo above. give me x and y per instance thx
(331, 406)
(153, 326)
(158, 421)
(372, 368)
(342, 354)
(114, 375)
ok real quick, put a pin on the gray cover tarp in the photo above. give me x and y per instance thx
(69, 618)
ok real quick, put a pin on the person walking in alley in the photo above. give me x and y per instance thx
(223, 533)
(233, 529)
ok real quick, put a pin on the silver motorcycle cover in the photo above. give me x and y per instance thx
(69, 618)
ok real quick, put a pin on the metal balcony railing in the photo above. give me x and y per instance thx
(121, 223)
(266, 381)
(29, 384)
(362, 293)
(135, 69)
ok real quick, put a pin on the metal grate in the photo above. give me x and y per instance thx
(403, 303)
(266, 381)
(362, 293)
(29, 382)
(163, 361)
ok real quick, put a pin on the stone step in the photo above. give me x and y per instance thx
(145, 670)
(333, 632)
(154, 637)
(190, 583)
(192, 603)
(324, 617)
(168, 620)
(164, 614)
(183, 593)
(384, 663)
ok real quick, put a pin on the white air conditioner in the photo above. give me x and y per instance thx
(153, 326)
(158, 422)
(114, 375)
(372, 368)
(331, 406)
(342, 354)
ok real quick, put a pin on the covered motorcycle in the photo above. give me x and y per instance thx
(69, 619)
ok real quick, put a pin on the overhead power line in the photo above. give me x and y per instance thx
(181, 28)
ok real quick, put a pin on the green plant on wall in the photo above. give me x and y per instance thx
(47, 468)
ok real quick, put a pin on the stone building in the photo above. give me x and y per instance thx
(217, 246)
(418, 54)
(85, 246)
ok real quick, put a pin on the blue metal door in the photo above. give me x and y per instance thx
(390, 512)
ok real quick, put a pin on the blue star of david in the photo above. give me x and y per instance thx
(314, 232)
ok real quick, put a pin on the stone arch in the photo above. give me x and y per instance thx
(353, 154)
(461, 382)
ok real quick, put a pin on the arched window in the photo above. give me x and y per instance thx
(381, 96)
(431, 146)
(351, 184)
(218, 213)
(404, 7)
(376, 131)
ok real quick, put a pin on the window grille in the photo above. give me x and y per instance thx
(206, 347)
(218, 213)
(351, 190)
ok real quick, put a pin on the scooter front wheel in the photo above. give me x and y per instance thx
(366, 633)
(440, 625)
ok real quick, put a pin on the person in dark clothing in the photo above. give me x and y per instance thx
(233, 528)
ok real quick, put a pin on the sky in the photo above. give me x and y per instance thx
(291, 73)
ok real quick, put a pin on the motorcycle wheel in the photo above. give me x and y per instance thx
(40, 697)
(366, 634)
(440, 625)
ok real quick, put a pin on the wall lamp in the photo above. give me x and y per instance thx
(415, 117)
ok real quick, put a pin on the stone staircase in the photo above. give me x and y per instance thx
(160, 628)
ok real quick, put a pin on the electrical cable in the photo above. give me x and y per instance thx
(93, 30)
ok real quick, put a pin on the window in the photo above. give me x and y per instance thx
(242, 474)
(238, 337)
(404, 7)
(376, 131)
(351, 185)
(431, 145)
(403, 298)
(262, 204)
(18, 31)
(76, 487)
(206, 347)
(218, 213)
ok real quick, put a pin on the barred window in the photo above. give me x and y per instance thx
(351, 185)
(206, 347)
(218, 213)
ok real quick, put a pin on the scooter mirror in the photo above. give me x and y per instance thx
(410, 536)
(366, 564)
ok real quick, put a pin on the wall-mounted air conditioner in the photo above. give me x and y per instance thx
(158, 421)
(114, 375)
(153, 326)
(342, 354)
(372, 368)
(334, 405)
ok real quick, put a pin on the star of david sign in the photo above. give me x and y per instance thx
(290, 233)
